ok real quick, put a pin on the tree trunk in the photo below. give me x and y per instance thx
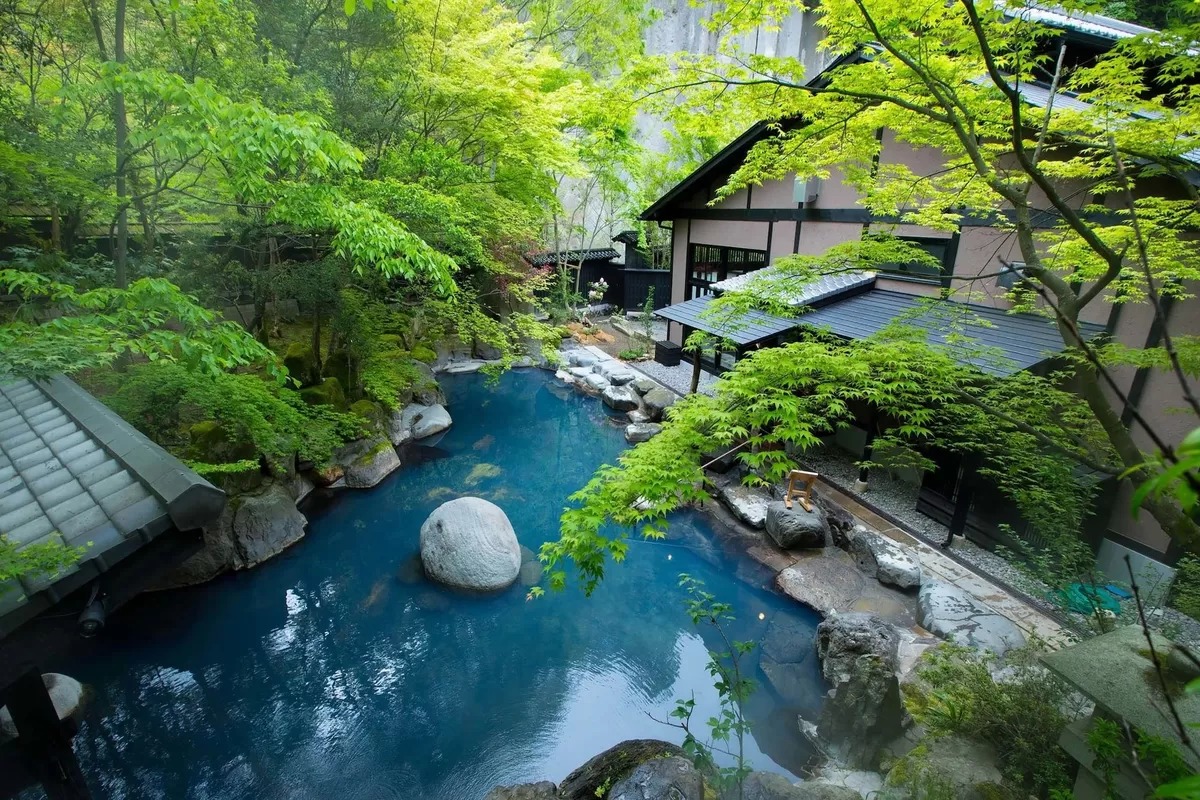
(695, 371)
(121, 126)
(316, 343)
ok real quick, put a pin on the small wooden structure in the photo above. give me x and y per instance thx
(802, 495)
(73, 472)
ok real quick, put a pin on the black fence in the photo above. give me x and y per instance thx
(640, 281)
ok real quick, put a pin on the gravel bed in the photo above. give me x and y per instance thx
(899, 499)
(678, 378)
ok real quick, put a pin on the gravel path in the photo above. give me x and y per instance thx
(899, 499)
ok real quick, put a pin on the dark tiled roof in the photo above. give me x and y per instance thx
(73, 472)
(571, 256)
(1001, 343)
(750, 327)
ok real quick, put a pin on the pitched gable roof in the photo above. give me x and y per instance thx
(73, 472)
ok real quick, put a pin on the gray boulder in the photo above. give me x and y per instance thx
(643, 385)
(884, 559)
(427, 392)
(264, 525)
(619, 398)
(770, 786)
(434, 419)
(596, 382)
(747, 504)
(613, 765)
(579, 372)
(843, 638)
(464, 367)
(672, 778)
(469, 543)
(400, 423)
(965, 769)
(794, 527)
(620, 378)
(375, 460)
(66, 695)
(642, 431)
(863, 715)
(950, 612)
(581, 358)
(543, 790)
(657, 401)
(841, 521)
(637, 415)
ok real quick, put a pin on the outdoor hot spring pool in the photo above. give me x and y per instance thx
(323, 674)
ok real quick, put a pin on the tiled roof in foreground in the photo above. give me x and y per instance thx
(73, 472)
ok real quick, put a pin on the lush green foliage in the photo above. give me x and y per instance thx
(151, 318)
(780, 401)
(943, 80)
(1020, 716)
(255, 418)
(44, 558)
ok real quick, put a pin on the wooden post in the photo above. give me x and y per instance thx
(962, 498)
(44, 739)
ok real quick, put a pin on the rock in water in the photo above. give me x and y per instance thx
(434, 419)
(792, 528)
(376, 462)
(770, 786)
(657, 402)
(469, 543)
(641, 432)
(612, 766)
(672, 778)
(842, 638)
(863, 715)
(543, 790)
(619, 398)
(948, 611)
(747, 504)
(264, 525)
(881, 558)
(66, 695)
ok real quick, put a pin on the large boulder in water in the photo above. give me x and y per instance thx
(613, 766)
(657, 401)
(842, 638)
(66, 695)
(888, 561)
(863, 715)
(469, 543)
(671, 778)
(542, 790)
(795, 527)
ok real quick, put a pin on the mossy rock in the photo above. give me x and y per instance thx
(391, 340)
(209, 441)
(424, 353)
(300, 362)
(337, 365)
(328, 393)
(564, 332)
(612, 766)
(369, 457)
(367, 409)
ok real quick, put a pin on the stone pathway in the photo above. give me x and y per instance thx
(945, 569)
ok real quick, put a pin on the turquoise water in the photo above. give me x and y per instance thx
(329, 673)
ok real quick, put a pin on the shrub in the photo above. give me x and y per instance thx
(164, 401)
(632, 354)
(1021, 716)
(1185, 589)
